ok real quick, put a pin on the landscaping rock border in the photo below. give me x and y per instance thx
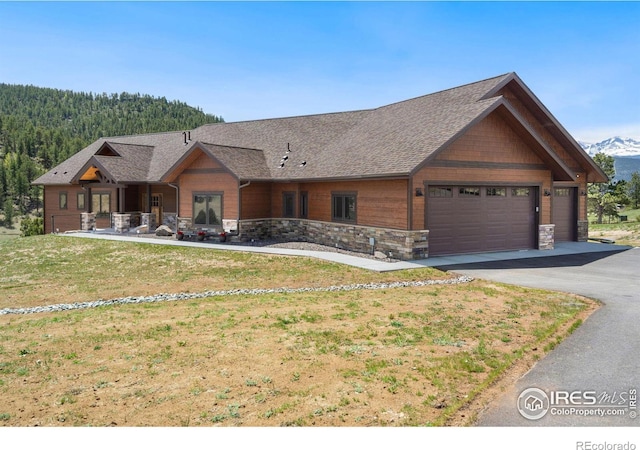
(223, 293)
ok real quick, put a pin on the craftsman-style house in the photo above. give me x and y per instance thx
(480, 167)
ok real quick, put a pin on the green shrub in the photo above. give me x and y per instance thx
(31, 227)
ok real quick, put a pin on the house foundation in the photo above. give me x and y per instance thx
(399, 244)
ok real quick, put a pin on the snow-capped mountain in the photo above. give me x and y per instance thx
(615, 146)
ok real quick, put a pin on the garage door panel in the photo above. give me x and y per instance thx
(472, 219)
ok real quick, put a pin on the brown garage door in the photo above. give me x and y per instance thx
(471, 219)
(564, 214)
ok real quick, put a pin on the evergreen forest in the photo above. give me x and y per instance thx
(41, 127)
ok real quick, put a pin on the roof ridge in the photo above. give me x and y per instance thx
(300, 116)
(232, 146)
(504, 75)
(130, 144)
(154, 133)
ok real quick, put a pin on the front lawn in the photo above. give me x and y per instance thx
(429, 355)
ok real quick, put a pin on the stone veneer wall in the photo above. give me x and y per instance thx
(583, 230)
(87, 221)
(121, 222)
(148, 219)
(400, 244)
(546, 236)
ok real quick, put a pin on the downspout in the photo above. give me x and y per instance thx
(242, 186)
(177, 188)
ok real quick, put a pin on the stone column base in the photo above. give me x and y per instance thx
(121, 222)
(88, 221)
(546, 237)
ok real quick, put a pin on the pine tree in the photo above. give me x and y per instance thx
(634, 189)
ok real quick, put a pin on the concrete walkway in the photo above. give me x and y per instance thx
(562, 249)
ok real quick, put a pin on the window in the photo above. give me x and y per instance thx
(304, 205)
(62, 200)
(101, 204)
(520, 192)
(80, 201)
(562, 192)
(440, 192)
(469, 192)
(288, 204)
(207, 209)
(343, 207)
(496, 192)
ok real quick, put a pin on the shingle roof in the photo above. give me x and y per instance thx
(388, 141)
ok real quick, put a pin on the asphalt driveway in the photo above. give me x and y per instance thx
(594, 374)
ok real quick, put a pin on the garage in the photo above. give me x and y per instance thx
(564, 212)
(472, 219)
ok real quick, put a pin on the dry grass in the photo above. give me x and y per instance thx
(395, 357)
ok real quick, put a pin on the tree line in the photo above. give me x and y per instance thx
(606, 199)
(41, 127)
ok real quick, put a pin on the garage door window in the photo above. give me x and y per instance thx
(562, 192)
(439, 192)
(496, 192)
(520, 192)
(469, 192)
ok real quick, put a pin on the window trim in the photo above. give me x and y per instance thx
(193, 208)
(81, 205)
(291, 195)
(344, 195)
(304, 204)
(63, 195)
(99, 212)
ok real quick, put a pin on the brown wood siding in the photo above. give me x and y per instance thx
(66, 219)
(540, 128)
(205, 175)
(255, 201)
(489, 152)
(492, 140)
(379, 203)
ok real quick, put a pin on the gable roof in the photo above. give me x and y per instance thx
(389, 141)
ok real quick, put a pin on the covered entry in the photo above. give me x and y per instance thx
(468, 219)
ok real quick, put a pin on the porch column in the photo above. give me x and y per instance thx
(121, 205)
(148, 209)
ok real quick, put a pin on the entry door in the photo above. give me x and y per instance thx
(157, 207)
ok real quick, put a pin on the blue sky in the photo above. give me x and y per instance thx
(255, 60)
